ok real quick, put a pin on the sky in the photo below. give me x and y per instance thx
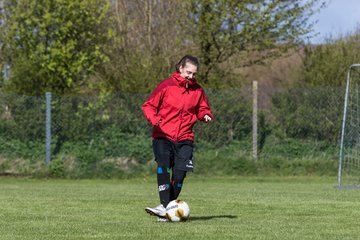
(339, 17)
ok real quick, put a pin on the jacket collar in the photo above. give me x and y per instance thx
(183, 82)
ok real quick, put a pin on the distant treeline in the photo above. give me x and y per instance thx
(71, 47)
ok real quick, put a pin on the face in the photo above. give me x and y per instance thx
(188, 71)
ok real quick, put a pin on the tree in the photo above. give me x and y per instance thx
(327, 64)
(151, 38)
(253, 30)
(313, 107)
(53, 45)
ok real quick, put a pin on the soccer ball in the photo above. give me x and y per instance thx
(177, 211)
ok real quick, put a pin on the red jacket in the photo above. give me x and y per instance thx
(174, 107)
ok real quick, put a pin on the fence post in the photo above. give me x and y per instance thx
(48, 128)
(254, 120)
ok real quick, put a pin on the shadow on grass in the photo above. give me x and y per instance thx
(197, 218)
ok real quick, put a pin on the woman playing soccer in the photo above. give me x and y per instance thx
(172, 109)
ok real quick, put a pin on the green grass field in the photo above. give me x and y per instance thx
(221, 208)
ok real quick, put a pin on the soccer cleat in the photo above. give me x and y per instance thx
(158, 211)
(163, 219)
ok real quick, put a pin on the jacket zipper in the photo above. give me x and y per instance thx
(181, 118)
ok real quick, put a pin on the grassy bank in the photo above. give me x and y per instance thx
(132, 156)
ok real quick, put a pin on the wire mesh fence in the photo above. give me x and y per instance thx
(96, 133)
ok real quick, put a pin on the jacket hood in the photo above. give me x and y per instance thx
(183, 82)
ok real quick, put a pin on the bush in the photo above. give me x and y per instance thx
(232, 118)
(279, 157)
(309, 113)
(22, 117)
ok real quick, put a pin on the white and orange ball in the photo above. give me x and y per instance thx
(177, 211)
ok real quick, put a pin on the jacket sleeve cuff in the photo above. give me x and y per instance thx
(156, 121)
(201, 117)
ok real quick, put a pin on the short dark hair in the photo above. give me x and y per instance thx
(187, 59)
